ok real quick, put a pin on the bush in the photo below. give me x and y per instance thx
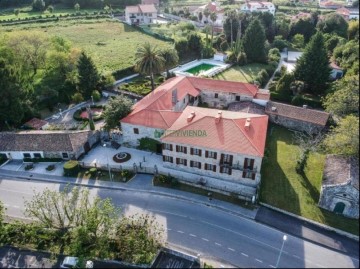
(42, 160)
(92, 125)
(50, 167)
(242, 59)
(96, 96)
(121, 73)
(29, 166)
(280, 96)
(77, 98)
(93, 171)
(148, 144)
(71, 168)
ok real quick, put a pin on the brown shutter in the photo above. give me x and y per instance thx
(185, 163)
(177, 160)
(245, 163)
(171, 147)
(191, 151)
(206, 166)
(221, 169)
(199, 166)
(222, 158)
(215, 155)
(206, 154)
(200, 151)
(252, 164)
(177, 148)
(214, 168)
(244, 174)
(230, 171)
(163, 158)
(191, 163)
(171, 159)
(185, 150)
(231, 159)
(253, 176)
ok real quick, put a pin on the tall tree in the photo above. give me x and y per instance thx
(313, 65)
(213, 18)
(333, 23)
(171, 59)
(200, 16)
(231, 25)
(115, 110)
(148, 61)
(254, 42)
(207, 14)
(305, 27)
(89, 77)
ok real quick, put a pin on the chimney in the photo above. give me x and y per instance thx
(218, 117)
(305, 106)
(247, 124)
(191, 116)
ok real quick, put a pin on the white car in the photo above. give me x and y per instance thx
(69, 262)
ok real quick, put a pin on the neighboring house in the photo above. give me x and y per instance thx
(216, 143)
(140, 14)
(37, 124)
(212, 7)
(340, 186)
(301, 15)
(336, 71)
(254, 6)
(329, 4)
(151, 2)
(296, 118)
(293, 56)
(348, 13)
(157, 112)
(41, 144)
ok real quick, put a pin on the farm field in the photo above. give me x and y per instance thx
(111, 44)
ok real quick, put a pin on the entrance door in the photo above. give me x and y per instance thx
(339, 208)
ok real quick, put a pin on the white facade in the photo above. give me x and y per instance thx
(135, 15)
(222, 99)
(235, 170)
(258, 7)
(132, 133)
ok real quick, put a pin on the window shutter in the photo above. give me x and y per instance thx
(244, 174)
(171, 159)
(222, 158)
(221, 169)
(230, 171)
(191, 151)
(200, 151)
(231, 159)
(163, 146)
(177, 160)
(253, 176)
(185, 163)
(214, 168)
(171, 147)
(206, 166)
(215, 155)
(252, 164)
(163, 158)
(191, 163)
(245, 163)
(185, 150)
(177, 148)
(199, 166)
(206, 154)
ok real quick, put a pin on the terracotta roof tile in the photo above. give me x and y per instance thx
(229, 134)
(36, 123)
(298, 113)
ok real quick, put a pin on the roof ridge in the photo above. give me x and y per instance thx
(247, 137)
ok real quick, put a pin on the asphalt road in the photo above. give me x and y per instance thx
(203, 230)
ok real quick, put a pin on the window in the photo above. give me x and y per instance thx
(181, 149)
(237, 98)
(136, 131)
(181, 161)
(168, 159)
(247, 174)
(65, 155)
(167, 146)
(210, 154)
(216, 95)
(37, 155)
(249, 164)
(227, 158)
(195, 164)
(210, 167)
(27, 155)
(194, 151)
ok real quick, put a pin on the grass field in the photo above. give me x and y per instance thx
(111, 44)
(245, 73)
(282, 187)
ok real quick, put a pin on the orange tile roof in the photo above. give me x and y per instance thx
(229, 134)
(36, 123)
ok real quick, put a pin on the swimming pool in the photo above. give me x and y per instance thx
(203, 67)
(200, 68)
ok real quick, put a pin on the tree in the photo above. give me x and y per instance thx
(213, 18)
(171, 59)
(89, 77)
(206, 14)
(200, 16)
(347, 55)
(115, 110)
(50, 8)
(345, 98)
(148, 61)
(77, 7)
(283, 29)
(16, 12)
(304, 27)
(313, 65)
(254, 42)
(344, 138)
(353, 30)
(333, 23)
(298, 41)
(38, 5)
(332, 41)
(2, 209)
(231, 26)
(195, 44)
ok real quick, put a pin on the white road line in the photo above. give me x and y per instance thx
(272, 266)
(169, 229)
(218, 244)
(207, 240)
(231, 249)
(258, 260)
(181, 232)
(193, 235)
(244, 254)
(296, 256)
(15, 191)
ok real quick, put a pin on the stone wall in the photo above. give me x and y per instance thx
(132, 139)
(223, 99)
(332, 194)
(295, 124)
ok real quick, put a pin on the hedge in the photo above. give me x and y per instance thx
(278, 96)
(71, 168)
(42, 160)
(118, 74)
(301, 100)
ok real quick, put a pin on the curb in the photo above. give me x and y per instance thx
(326, 227)
(179, 197)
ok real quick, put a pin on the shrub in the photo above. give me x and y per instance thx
(29, 166)
(242, 59)
(71, 168)
(77, 98)
(93, 171)
(50, 167)
(42, 160)
(92, 125)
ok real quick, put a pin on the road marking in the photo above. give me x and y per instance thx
(296, 256)
(15, 191)
(244, 254)
(169, 229)
(207, 240)
(193, 235)
(231, 249)
(218, 244)
(180, 232)
(258, 260)
(272, 266)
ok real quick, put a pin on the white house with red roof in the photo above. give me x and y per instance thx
(212, 6)
(348, 13)
(257, 6)
(217, 143)
(140, 14)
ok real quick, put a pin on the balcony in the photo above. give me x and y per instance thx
(238, 167)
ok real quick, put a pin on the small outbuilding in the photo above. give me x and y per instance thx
(340, 186)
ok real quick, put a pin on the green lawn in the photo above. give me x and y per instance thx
(282, 187)
(111, 44)
(241, 73)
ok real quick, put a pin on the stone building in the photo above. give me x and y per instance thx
(41, 144)
(296, 118)
(340, 186)
(141, 14)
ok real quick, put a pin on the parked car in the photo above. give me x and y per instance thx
(69, 262)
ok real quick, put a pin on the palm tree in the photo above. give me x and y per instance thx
(148, 61)
(206, 14)
(171, 59)
(232, 15)
(213, 18)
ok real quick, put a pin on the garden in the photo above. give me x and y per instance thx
(283, 187)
